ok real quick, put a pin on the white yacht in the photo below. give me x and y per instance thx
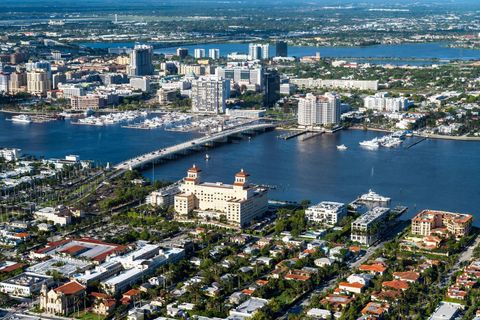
(22, 118)
(370, 144)
(342, 147)
(372, 196)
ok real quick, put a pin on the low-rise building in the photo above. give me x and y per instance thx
(25, 284)
(326, 212)
(60, 215)
(367, 228)
(248, 308)
(429, 222)
(62, 300)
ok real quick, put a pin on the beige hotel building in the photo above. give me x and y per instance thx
(239, 202)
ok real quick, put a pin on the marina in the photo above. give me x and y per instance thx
(111, 118)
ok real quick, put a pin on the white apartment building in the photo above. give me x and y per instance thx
(10, 154)
(319, 110)
(209, 94)
(326, 212)
(59, 215)
(25, 284)
(258, 51)
(199, 53)
(382, 102)
(239, 202)
(214, 54)
(367, 228)
(71, 90)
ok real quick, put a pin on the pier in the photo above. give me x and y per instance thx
(290, 135)
(191, 146)
(415, 143)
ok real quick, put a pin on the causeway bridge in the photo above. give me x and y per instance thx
(190, 146)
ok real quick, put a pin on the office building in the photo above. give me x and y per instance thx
(214, 54)
(281, 49)
(25, 284)
(271, 88)
(238, 203)
(251, 78)
(429, 222)
(257, 51)
(319, 110)
(209, 94)
(141, 61)
(182, 53)
(382, 102)
(38, 82)
(329, 213)
(199, 53)
(367, 229)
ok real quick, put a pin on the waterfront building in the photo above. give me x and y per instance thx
(245, 113)
(258, 51)
(62, 300)
(182, 53)
(38, 82)
(84, 103)
(141, 61)
(281, 49)
(319, 110)
(10, 154)
(214, 54)
(326, 212)
(238, 203)
(17, 82)
(209, 94)
(199, 53)
(429, 222)
(251, 78)
(271, 88)
(367, 228)
(382, 102)
(71, 90)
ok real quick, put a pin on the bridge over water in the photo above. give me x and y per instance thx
(191, 145)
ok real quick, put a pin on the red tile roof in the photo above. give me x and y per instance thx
(71, 287)
(396, 284)
(13, 267)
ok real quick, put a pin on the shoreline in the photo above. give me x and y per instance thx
(428, 136)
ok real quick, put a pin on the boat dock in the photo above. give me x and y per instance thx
(415, 143)
(313, 135)
(290, 135)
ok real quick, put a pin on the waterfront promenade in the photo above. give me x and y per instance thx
(194, 144)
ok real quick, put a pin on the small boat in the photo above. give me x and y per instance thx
(23, 118)
(207, 157)
(342, 147)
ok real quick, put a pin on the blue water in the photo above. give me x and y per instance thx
(434, 50)
(436, 174)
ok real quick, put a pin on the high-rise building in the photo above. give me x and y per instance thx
(251, 78)
(214, 54)
(281, 49)
(258, 51)
(209, 94)
(58, 78)
(182, 52)
(199, 53)
(319, 110)
(271, 88)
(141, 61)
(4, 82)
(18, 82)
(38, 82)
